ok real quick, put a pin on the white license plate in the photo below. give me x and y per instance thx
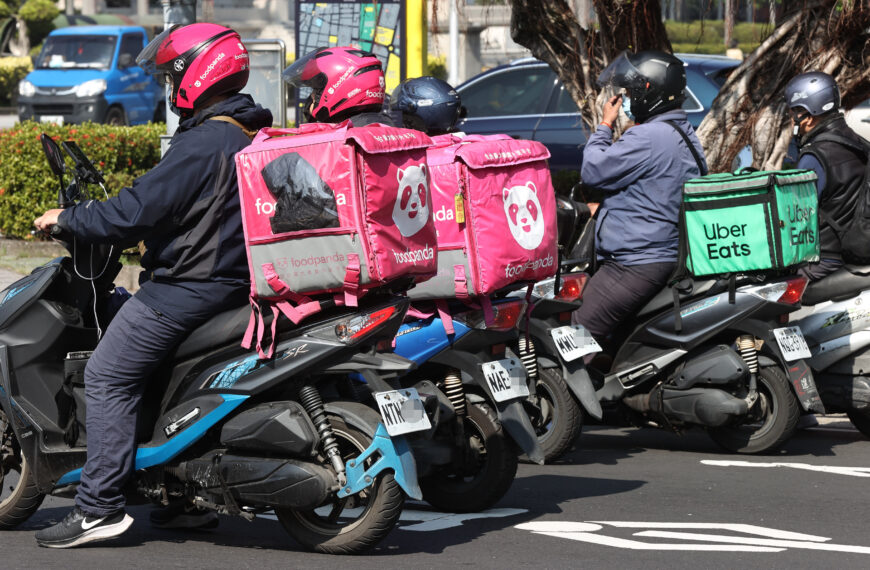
(506, 379)
(57, 119)
(574, 341)
(792, 343)
(402, 411)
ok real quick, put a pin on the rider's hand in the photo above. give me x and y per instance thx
(47, 220)
(610, 111)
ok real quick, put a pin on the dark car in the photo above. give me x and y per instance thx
(525, 99)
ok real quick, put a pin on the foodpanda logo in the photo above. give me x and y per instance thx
(381, 83)
(374, 94)
(523, 211)
(411, 210)
(212, 65)
(264, 208)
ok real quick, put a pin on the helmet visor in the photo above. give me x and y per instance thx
(621, 73)
(147, 58)
(304, 72)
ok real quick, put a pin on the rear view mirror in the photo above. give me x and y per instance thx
(125, 60)
(53, 154)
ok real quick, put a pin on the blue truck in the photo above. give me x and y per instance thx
(89, 73)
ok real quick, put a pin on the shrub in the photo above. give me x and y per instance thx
(27, 186)
(437, 67)
(12, 70)
(38, 14)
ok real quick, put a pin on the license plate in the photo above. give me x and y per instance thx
(574, 341)
(506, 379)
(402, 411)
(57, 119)
(792, 343)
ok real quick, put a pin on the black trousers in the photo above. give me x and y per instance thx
(616, 292)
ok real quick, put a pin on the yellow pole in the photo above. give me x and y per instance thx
(416, 38)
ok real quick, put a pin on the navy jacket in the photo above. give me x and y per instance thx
(187, 211)
(642, 176)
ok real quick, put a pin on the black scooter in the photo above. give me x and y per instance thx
(220, 427)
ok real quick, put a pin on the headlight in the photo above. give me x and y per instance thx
(91, 88)
(26, 88)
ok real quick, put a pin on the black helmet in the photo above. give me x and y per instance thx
(654, 80)
(814, 92)
(427, 104)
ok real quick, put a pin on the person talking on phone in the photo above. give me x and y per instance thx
(641, 176)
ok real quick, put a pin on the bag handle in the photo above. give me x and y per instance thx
(701, 167)
(305, 129)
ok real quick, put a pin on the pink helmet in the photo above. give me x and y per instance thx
(199, 60)
(344, 80)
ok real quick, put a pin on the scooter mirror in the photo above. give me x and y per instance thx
(53, 154)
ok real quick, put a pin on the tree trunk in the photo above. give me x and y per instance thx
(814, 35)
(730, 11)
(551, 31)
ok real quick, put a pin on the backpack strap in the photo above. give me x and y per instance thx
(460, 282)
(701, 167)
(445, 316)
(227, 119)
(351, 280)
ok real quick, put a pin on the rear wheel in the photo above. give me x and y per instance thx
(353, 524)
(556, 416)
(487, 473)
(861, 421)
(771, 420)
(19, 498)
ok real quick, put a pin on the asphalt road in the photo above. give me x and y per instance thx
(623, 498)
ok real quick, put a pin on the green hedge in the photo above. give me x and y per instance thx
(12, 70)
(27, 186)
(709, 36)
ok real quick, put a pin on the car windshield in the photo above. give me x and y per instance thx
(77, 52)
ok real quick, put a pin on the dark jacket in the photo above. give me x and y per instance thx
(842, 172)
(642, 176)
(186, 209)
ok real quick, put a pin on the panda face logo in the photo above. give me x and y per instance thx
(523, 211)
(411, 210)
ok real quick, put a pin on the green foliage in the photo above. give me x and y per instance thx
(38, 14)
(27, 186)
(12, 70)
(5, 10)
(437, 67)
(708, 36)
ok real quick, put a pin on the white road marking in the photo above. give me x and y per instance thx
(430, 520)
(853, 471)
(776, 540)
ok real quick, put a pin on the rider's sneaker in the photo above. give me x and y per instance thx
(183, 515)
(78, 528)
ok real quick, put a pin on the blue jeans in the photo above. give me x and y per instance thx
(134, 344)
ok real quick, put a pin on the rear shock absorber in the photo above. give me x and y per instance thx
(310, 398)
(455, 392)
(746, 347)
(528, 357)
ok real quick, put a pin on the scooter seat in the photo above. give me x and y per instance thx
(843, 283)
(225, 328)
(665, 297)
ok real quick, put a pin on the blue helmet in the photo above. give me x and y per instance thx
(427, 104)
(814, 92)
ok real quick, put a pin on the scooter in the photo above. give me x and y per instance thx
(721, 359)
(835, 319)
(220, 427)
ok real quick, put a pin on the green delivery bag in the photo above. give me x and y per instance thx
(749, 222)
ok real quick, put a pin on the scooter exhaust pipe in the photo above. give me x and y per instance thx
(702, 406)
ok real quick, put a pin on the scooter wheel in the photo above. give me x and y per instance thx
(353, 524)
(861, 421)
(557, 417)
(22, 499)
(488, 473)
(771, 420)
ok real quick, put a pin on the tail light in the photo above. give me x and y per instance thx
(353, 329)
(505, 316)
(788, 292)
(572, 286)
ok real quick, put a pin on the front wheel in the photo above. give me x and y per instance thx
(861, 421)
(353, 524)
(487, 473)
(19, 498)
(115, 117)
(556, 416)
(770, 421)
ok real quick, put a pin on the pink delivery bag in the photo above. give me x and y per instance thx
(495, 212)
